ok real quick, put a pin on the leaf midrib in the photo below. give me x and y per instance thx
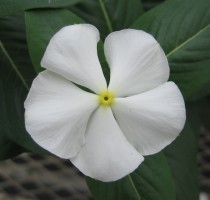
(106, 16)
(187, 41)
(15, 68)
(134, 187)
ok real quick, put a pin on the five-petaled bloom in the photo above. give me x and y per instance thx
(106, 133)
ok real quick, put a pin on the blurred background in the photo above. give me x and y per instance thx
(35, 177)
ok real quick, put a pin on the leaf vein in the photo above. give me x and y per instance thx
(136, 191)
(106, 16)
(14, 66)
(187, 41)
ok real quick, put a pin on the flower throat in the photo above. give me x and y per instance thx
(106, 98)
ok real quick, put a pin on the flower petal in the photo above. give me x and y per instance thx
(56, 114)
(136, 61)
(153, 119)
(72, 53)
(107, 155)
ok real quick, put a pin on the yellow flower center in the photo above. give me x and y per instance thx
(106, 98)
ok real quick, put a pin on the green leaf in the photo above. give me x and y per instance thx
(151, 181)
(7, 147)
(109, 15)
(182, 158)
(16, 76)
(9, 7)
(183, 30)
(202, 93)
(48, 22)
(15, 79)
(149, 4)
(202, 110)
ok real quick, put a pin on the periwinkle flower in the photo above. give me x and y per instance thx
(105, 134)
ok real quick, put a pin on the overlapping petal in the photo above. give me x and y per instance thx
(72, 53)
(153, 119)
(107, 155)
(136, 61)
(56, 114)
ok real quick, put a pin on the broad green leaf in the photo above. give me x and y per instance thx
(202, 110)
(149, 4)
(183, 30)
(15, 78)
(151, 181)
(7, 147)
(182, 158)
(109, 15)
(9, 7)
(48, 22)
(202, 93)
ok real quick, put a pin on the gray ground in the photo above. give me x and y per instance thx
(30, 176)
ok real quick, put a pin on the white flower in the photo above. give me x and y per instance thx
(105, 134)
